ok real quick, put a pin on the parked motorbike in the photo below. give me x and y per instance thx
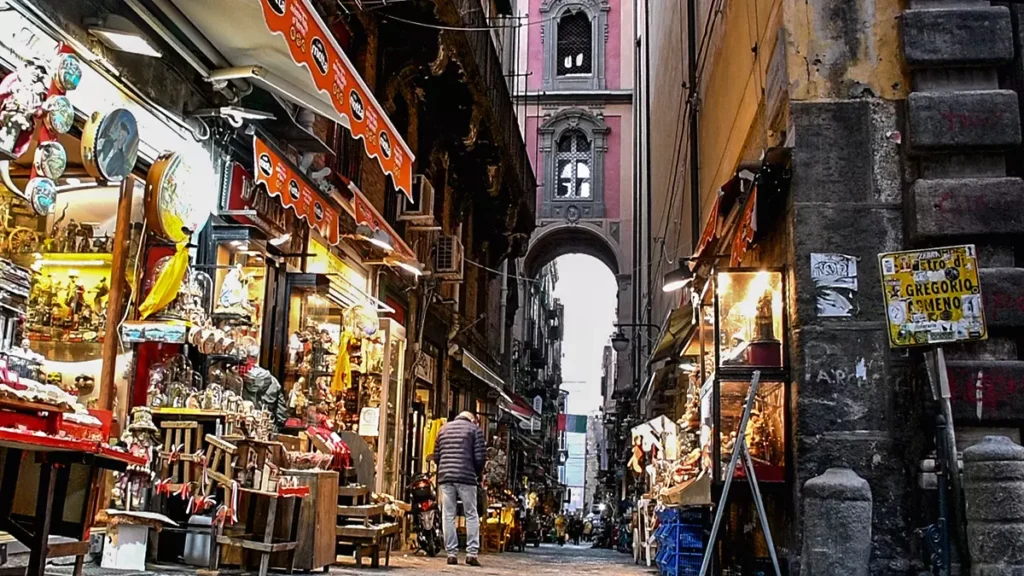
(426, 515)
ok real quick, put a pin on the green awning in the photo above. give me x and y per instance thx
(677, 331)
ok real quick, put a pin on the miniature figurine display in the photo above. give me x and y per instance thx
(139, 439)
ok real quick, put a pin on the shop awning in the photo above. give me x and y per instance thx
(284, 182)
(677, 331)
(481, 371)
(519, 408)
(366, 215)
(285, 47)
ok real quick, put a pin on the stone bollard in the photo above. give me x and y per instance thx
(837, 525)
(994, 490)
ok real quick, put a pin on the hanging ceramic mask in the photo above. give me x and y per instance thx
(67, 72)
(59, 114)
(43, 193)
(50, 160)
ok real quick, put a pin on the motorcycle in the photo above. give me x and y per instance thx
(426, 515)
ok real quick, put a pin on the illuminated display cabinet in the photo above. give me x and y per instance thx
(741, 319)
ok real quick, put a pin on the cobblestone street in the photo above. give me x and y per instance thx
(548, 559)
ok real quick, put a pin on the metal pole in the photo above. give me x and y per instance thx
(752, 478)
(942, 468)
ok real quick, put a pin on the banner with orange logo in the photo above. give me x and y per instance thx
(288, 185)
(312, 45)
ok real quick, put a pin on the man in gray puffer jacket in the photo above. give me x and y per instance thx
(460, 454)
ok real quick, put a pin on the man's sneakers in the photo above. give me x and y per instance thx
(453, 560)
(472, 561)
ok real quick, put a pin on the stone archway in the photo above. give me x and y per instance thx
(552, 240)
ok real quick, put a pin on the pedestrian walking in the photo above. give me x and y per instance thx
(460, 454)
(560, 526)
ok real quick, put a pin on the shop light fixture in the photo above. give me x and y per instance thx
(66, 263)
(281, 239)
(415, 271)
(688, 367)
(378, 238)
(620, 342)
(119, 33)
(677, 279)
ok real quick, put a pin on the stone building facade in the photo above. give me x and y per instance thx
(903, 127)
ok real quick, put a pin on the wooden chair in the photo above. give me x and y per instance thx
(220, 456)
(181, 452)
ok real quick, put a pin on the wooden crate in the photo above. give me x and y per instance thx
(316, 520)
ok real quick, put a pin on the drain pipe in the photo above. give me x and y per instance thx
(504, 306)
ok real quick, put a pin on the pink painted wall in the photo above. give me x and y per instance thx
(613, 168)
(535, 49)
(613, 48)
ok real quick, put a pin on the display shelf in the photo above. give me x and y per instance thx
(74, 259)
(24, 406)
(189, 412)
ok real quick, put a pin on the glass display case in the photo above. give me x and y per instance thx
(381, 399)
(240, 282)
(741, 329)
(315, 323)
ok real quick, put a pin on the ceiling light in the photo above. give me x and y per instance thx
(119, 33)
(688, 367)
(677, 279)
(381, 240)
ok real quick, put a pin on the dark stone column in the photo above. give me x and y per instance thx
(837, 525)
(994, 487)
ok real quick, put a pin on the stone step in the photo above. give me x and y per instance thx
(1002, 291)
(963, 121)
(966, 207)
(986, 390)
(957, 36)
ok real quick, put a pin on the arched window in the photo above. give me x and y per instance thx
(572, 165)
(575, 46)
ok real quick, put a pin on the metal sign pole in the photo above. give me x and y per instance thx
(741, 446)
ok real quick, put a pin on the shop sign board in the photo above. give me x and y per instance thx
(932, 296)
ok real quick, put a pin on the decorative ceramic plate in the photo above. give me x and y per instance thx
(110, 145)
(68, 72)
(50, 160)
(176, 207)
(59, 114)
(43, 193)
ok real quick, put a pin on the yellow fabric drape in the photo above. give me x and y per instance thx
(430, 438)
(342, 369)
(167, 285)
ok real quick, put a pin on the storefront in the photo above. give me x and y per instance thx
(731, 325)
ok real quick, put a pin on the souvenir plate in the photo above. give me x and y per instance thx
(50, 160)
(68, 72)
(110, 145)
(59, 114)
(43, 193)
(176, 207)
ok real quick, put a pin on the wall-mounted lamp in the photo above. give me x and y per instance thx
(121, 34)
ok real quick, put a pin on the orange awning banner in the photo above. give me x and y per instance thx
(286, 184)
(286, 47)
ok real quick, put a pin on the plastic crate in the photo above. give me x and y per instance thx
(680, 563)
(682, 537)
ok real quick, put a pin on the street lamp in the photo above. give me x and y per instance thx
(620, 342)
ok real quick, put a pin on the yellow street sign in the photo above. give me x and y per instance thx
(932, 296)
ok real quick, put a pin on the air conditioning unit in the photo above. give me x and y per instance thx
(419, 210)
(448, 258)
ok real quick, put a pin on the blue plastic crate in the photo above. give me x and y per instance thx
(680, 564)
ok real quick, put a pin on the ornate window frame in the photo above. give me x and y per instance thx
(551, 12)
(594, 128)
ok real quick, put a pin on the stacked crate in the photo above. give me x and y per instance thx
(682, 538)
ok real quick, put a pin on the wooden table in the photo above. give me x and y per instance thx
(55, 462)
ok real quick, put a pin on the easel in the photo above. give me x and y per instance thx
(741, 447)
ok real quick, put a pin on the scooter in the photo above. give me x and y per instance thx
(426, 516)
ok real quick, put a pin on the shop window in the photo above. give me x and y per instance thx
(575, 49)
(573, 166)
(765, 434)
(749, 319)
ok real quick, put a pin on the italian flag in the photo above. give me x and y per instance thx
(572, 423)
